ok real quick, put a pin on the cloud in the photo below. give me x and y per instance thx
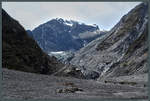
(32, 14)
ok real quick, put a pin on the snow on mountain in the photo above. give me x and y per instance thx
(64, 35)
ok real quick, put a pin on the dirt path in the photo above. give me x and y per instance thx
(20, 85)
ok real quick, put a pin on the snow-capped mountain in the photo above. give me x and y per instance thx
(64, 35)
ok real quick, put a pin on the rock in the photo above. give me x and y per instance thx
(69, 90)
(70, 70)
(91, 74)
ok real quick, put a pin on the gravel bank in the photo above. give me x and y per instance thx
(21, 85)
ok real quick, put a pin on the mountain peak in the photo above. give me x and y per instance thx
(67, 22)
(73, 22)
(53, 34)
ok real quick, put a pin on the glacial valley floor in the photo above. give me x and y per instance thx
(21, 85)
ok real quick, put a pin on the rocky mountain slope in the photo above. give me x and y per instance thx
(63, 35)
(20, 52)
(122, 51)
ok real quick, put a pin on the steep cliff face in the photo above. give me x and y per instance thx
(122, 51)
(20, 52)
(134, 61)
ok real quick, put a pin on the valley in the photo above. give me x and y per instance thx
(66, 59)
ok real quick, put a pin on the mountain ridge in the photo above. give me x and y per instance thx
(58, 33)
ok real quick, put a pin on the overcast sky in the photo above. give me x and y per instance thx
(32, 14)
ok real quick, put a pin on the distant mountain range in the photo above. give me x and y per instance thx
(64, 35)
